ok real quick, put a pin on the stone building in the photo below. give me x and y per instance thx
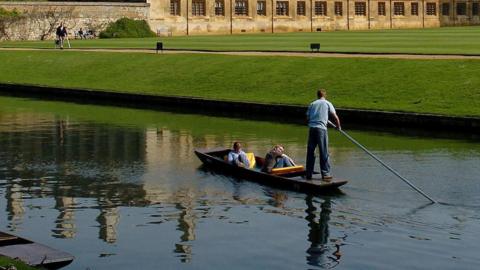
(190, 17)
(200, 17)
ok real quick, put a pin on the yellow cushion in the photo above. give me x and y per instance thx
(287, 170)
(251, 159)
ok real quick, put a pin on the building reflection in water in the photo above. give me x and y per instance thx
(51, 157)
(320, 253)
(15, 208)
(108, 219)
(186, 225)
(115, 166)
(119, 167)
(65, 222)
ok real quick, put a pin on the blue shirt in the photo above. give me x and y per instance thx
(234, 158)
(318, 112)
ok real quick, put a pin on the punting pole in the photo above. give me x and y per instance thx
(383, 163)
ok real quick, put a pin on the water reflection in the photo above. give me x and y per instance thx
(135, 186)
(320, 250)
(15, 208)
(65, 223)
(65, 162)
(186, 224)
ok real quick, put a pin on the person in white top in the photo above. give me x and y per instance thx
(237, 157)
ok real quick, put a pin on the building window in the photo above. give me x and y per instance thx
(241, 7)
(414, 9)
(301, 9)
(175, 7)
(381, 9)
(445, 9)
(475, 9)
(431, 9)
(198, 7)
(461, 9)
(360, 8)
(321, 8)
(282, 8)
(219, 8)
(262, 8)
(398, 9)
(338, 9)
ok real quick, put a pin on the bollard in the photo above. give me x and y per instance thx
(159, 46)
(315, 46)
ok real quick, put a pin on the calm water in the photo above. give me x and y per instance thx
(122, 189)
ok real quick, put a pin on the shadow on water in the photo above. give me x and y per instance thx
(322, 252)
(237, 180)
(267, 117)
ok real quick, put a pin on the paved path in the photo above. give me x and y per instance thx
(253, 53)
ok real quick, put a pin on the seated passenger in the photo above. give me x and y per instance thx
(237, 157)
(276, 159)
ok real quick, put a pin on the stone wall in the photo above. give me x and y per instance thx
(39, 20)
(450, 17)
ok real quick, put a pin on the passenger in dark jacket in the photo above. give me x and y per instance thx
(61, 34)
(276, 159)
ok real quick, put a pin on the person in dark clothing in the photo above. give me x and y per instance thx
(81, 34)
(276, 158)
(61, 34)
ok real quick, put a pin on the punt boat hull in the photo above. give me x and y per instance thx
(31, 253)
(213, 159)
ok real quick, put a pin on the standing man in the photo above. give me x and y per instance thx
(317, 118)
(61, 34)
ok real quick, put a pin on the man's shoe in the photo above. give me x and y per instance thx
(327, 178)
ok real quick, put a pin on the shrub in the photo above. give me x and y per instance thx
(4, 14)
(7, 19)
(127, 28)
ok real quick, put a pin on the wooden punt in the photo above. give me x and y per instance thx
(32, 253)
(214, 159)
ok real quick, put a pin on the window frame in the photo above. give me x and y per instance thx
(382, 9)
(199, 8)
(445, 9)
(398, 8)
(241, 8)
(282, 8)
(219, 9)
(429, 9)
(320, 8)
(414, 8)
(304, 8)
(261, 8)
(475, 9)
(175, 8)
(463, 9)
(338, 8)
(360, 8)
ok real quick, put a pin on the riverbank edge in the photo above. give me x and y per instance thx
(249, 110)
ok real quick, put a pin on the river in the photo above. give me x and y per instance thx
(121, 188)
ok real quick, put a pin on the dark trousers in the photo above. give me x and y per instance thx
(317, 137)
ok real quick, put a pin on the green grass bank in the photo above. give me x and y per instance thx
(449, 87)
(447, 40)
(4, 262)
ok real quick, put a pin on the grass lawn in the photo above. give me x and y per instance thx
(4, 261)
(447, 40)
(449, 87)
